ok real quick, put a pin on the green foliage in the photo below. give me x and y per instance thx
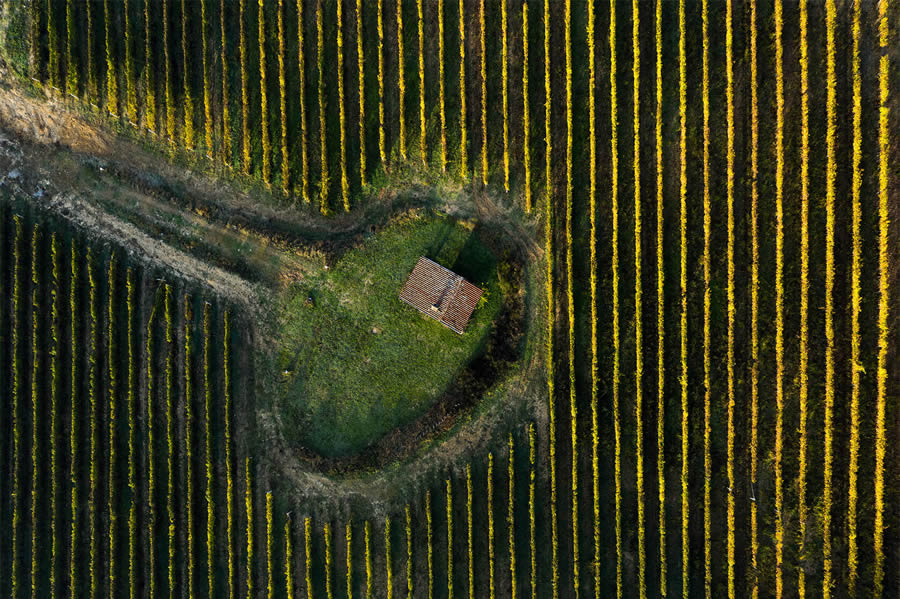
(358, 361)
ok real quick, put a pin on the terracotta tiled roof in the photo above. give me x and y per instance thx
(441, 294)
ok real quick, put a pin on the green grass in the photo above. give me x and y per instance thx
(343, 385)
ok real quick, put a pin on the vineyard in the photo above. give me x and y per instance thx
(682, 379)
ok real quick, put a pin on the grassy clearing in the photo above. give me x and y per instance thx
(358, 361)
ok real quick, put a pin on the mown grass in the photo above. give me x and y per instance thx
(356, 360)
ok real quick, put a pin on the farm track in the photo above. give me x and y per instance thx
(769, 342)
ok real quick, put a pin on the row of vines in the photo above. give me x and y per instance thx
(719, 448)
(90, 513)
(181, 71)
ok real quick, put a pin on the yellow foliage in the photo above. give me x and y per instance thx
(422, 129)
(463, 135)
(401, 79)
(382, 150)
(207, 99)
(245, 99)
(112, 91)
(754, 312)
(282, 101)
(884, 291)
(779, 298)
(288, 559)
(263, 96)
(186, 78)
(638, 330)
(301, 61)
(511, 515)
(830, 181)
(484, 164)
(345, 184)
(270, 571)
(441, 83)
(323, 146)
(328, 584)
(490, 514)
(614, 177)
(526, 110)
(226, 97)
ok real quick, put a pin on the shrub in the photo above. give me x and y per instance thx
(270, 572)
(170, 431)
(470, 558)
(387, 560)
(382, 151)
(245, 96)
(348, 535)
(188, 436)
(170, 93)
(148, 74)
(883, 292)
(323, 146)
(186, 72)
(729, 93)
(441, 84)
(401, 79)
(282, 104)
(207, 99)
(307, 535)
(226, 97)
(548, 236)
(345, 184)
(112, 89)
(229, 463)
(483, 57)
(532, 472)
(248, 504)
(151, 462)
(490, 515)
(302, 93)
(35, 392)
(328, 584)
(423, 147)
(592, 200)
(526, 110)
(132, 453)
(830, 182)
(505, 81)
(288, 559)
(369, 578)
(93, 517)
(113, 391)
(779, 285)
(130, 91)
(360, 71)
(614, 178)
(570, 301)
(409, 555)
(511, 515)
(430, 545)
(449, 539)
(660, 311)
(638, 325)
(74, 398)
(207, 435)
(54, 414)
(16, 423)
(855, 298)
(463, 136)
(263, 98)
(71, 67)
(683, 380)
